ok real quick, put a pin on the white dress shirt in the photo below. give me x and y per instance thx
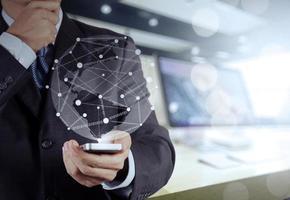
(26, 56)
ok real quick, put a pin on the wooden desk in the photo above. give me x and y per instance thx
(266, 180)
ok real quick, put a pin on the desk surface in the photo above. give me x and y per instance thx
(189, 174)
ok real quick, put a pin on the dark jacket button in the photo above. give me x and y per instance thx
(46, 144)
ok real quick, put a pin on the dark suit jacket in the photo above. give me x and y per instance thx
(31, 136)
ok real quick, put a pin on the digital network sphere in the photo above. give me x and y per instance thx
(98, 86)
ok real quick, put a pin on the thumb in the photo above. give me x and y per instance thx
(74, 147)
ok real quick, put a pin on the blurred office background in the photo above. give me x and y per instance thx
(218, 70)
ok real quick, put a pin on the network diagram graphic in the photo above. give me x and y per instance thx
(98, 85)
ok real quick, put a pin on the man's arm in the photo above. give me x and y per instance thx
(154, 158)
(153, 152)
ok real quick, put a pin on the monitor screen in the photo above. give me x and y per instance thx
(203, 95)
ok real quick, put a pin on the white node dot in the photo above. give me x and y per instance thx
(116, 41)
(125, 37)
(106, 121)
(98, 107)
(128, 109)
(58, 114)
(130, 73)
(138, 52)
(56, 61)
(141, 124)
(101, 56)
(59, 94)
(137, 98)
(68, 128)
(65, 79)
(122, 96)
(100, 96)
(117, 57)
(47, 86)
(78, 102)
(80, 65)
(103, 75)
(85, 115)
(78, 39)
(70, 52)
(52, 68)
(152, 108)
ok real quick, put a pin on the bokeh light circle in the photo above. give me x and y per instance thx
(206, 22)
(279, 184)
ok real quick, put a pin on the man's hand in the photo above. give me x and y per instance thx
(36, 25)
(93, 169)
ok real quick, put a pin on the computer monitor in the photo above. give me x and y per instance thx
(223, 102)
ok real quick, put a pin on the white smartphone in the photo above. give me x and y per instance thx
(99, 148)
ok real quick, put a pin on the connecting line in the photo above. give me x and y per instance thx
(128, 123)
(69, 91)
(96, 50)
(103, 108)
(104, 37)
(99, 127)
(92, 104)
(98, 76)
(105, 80)
(115, 102)
(89, 52)
(132, 128)
(137, 87)
(139, 112)
(75, 122)
(116, 86)
(58, 84)
(118, 115)
(83, 56)
(73, 110)
(94, 66)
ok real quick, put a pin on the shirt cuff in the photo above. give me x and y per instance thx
(19, 49)
(129, 178)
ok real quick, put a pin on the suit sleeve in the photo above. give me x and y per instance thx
(152, 149)
(12, 76)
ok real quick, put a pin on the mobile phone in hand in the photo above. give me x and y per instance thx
(101, 148)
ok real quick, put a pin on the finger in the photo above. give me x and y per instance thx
(105, 161)
(77, 175)
(48, 5)
(101, 173)
(51, 16)
(123, 138)
(118, 137)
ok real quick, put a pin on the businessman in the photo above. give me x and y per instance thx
(38, 159)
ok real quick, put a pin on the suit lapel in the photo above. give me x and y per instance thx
(67, 36)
